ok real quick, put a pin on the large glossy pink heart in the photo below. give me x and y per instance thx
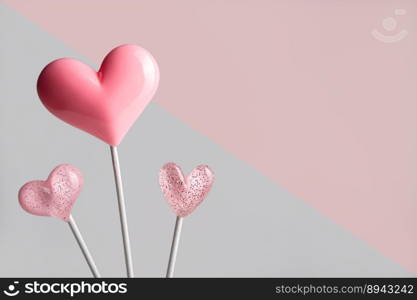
(55, 196)
(104, 103)
(185, 194)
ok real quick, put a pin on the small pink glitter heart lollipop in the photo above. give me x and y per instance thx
(55, 197)
(183, 195)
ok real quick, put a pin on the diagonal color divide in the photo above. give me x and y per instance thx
(308, 98)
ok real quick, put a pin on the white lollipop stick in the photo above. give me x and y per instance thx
(83, 246)
(122, 211)
(174, 247)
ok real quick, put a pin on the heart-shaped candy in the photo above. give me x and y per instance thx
(104, 103)
(185, 194)
(55, 196)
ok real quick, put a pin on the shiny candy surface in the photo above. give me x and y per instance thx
(104, 103)
(55, 196)
(185, 194)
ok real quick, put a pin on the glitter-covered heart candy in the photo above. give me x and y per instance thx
(55, 196)
(185, 194)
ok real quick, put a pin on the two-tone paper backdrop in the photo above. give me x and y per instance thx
(308, 121)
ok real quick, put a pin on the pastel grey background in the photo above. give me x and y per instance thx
(248, 226)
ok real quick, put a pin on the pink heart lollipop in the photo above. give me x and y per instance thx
(55, 196)
(104, 103)
(185, 194)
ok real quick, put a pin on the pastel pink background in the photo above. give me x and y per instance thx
(298, 89)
